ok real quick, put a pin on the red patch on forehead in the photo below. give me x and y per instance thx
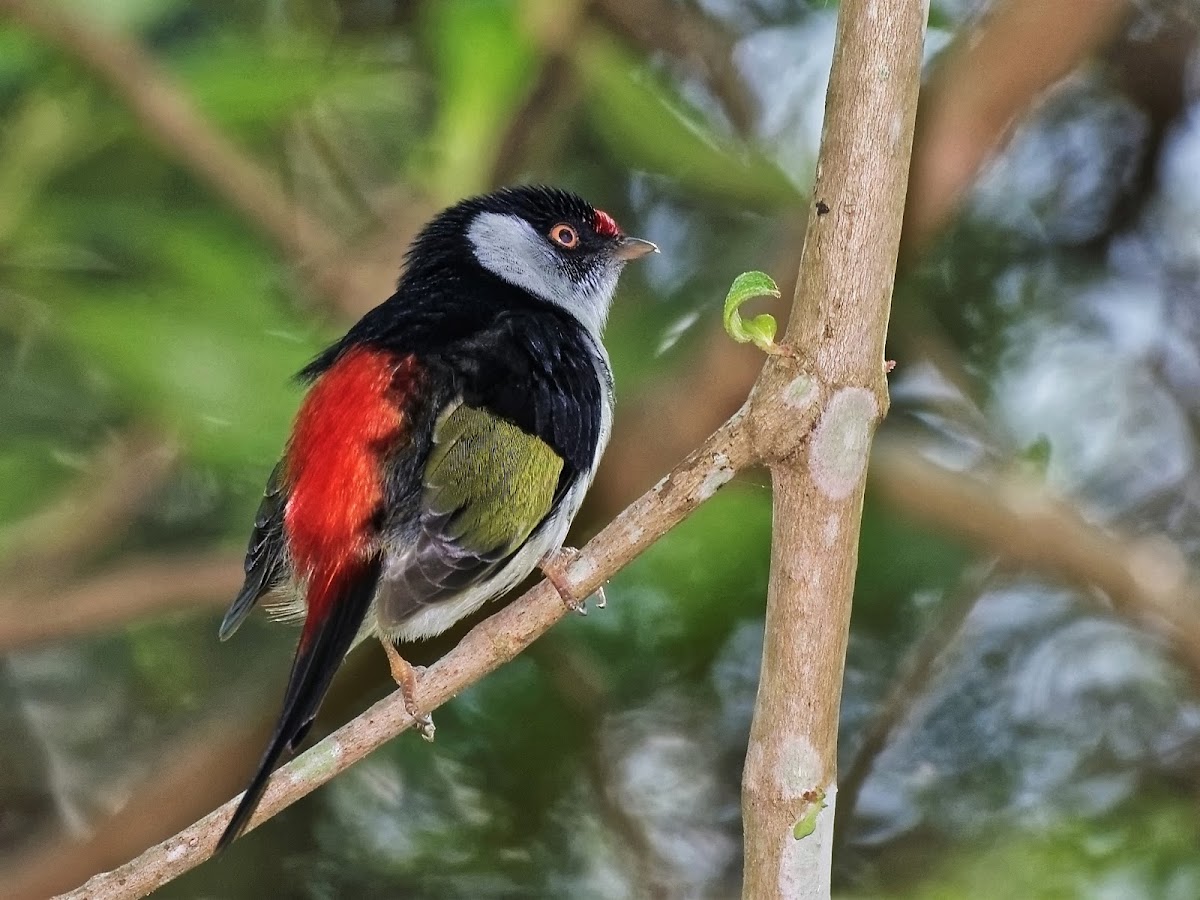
(606, 225)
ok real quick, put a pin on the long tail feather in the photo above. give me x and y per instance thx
(323, 644)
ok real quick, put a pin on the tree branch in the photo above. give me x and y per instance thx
(992, 74)
(116, 596)
(485, 648)
(837, 329)
(1146, 579)
(48, 546)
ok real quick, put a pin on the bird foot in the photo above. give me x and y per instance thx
(406, 676)
(554, 566)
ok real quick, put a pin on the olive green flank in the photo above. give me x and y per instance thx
(500, 479)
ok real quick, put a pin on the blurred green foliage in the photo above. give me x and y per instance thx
(132, 297)
(1148, 851)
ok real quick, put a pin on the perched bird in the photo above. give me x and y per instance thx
(444, 446)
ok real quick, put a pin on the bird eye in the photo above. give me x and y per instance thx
(565, 236)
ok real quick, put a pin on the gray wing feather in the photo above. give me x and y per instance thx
(265, 556)
(433, 568)
(449, 551)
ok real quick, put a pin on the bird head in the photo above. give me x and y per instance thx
(550, 243)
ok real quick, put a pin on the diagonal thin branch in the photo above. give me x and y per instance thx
(116, 596)
(51, 544)
(1146, 579)
(992, 74)
(172, 121)
(692, 39)
(485, 648)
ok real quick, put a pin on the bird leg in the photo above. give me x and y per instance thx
(406, 677)
(554, 566)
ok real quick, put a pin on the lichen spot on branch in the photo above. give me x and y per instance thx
(798, 763)
(320, 763)
(800, 392)
(719, 475)
(840, 443)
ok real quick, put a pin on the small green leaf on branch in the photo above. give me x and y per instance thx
(761, 329)
(814, 802)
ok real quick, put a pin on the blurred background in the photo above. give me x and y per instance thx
(195, 196)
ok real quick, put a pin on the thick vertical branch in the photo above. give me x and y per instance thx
(837, 330)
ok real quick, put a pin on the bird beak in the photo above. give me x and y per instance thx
(633, 248)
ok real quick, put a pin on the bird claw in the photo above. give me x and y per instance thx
(406, 677)
(423, 723)
(554, 567)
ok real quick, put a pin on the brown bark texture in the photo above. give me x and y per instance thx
(837, 394)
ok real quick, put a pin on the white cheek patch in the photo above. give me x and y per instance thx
(509, 247)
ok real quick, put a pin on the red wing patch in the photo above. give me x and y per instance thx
(333, 469)
(606, 225)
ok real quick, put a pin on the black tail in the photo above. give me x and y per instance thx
(317, 659)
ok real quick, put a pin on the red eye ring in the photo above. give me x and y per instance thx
(565, 236)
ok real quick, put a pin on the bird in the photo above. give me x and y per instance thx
(443, 447)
